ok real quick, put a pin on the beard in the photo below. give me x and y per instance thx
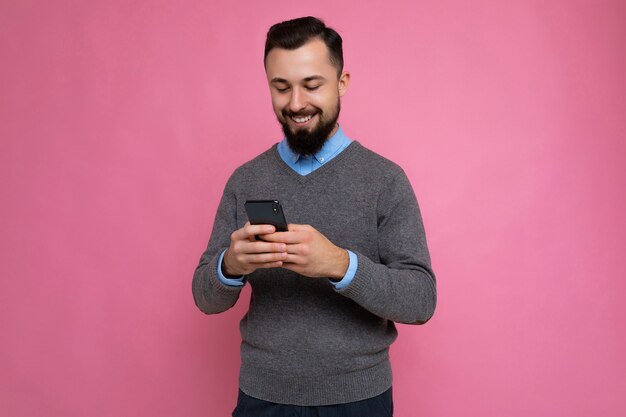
(305, 142)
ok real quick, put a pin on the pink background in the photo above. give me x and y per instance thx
(121, 121)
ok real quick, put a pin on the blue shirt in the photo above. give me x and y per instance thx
(304, 165)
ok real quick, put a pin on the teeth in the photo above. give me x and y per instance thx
(302, 119)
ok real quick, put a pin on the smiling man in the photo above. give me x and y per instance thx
(325, 293)
(305, 93)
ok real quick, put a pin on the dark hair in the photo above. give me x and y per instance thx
(292, 34)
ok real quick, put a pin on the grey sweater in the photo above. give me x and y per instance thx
(303, 341)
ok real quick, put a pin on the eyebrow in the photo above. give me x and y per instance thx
(306, 80)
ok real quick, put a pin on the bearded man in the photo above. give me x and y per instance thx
(325, 293)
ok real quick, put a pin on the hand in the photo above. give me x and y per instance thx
(310, 253)
(246, 254)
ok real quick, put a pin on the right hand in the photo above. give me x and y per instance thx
(246, 254)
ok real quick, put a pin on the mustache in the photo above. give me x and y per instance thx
(304, 113)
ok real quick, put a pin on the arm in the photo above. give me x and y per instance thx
(401, 287)
(235, 254)
(209, 293)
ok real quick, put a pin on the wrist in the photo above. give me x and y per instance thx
(227, 269)
(340, 266)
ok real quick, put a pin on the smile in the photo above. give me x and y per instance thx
(301, 119)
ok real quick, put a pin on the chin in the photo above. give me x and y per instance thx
(296, 130)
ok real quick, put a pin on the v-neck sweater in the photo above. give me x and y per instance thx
(304, 342)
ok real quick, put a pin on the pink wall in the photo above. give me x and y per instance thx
(120, 122)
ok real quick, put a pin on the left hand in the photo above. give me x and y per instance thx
(310, 253)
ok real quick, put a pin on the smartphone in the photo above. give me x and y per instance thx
(266, 212)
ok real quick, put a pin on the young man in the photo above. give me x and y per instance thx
(326, 293)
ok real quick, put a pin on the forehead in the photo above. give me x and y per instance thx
(310, 59)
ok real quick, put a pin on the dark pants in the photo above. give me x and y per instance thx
(379, 406)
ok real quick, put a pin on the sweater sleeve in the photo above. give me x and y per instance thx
(209, 293)
(401, 286)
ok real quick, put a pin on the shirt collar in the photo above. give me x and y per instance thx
(331, 146)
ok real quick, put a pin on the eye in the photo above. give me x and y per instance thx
(312, 87)
(282, 89)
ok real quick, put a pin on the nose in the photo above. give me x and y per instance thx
(297, 101)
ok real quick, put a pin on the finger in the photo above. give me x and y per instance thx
(263, 258)
(289, 238)
(294, 259)
(259, 229)
(300, 249)
(250, 238)
(259, 246)
(252, 230)
(299, 227)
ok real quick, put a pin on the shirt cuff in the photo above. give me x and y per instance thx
(233, 282)
(350, 273)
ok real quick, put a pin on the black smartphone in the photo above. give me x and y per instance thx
(266, 212)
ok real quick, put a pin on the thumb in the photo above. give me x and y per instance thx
(298, 227)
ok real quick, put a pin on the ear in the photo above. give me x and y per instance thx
(344, 80)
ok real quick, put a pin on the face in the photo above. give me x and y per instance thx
(305, 92)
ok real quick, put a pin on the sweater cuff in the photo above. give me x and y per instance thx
(361, 280)
(233, 282)
(349, 276)
(221, 290)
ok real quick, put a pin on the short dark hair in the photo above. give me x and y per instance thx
(292, 34)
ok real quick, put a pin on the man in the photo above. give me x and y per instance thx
(326, 293)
